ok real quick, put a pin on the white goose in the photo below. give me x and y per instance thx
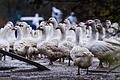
(50, 46)
(81, 56)
(43, 39)
(19, 45)
(100, 49)
(11, 36)
(53, 23)
(69, 33)
(29, 42)
(4, 44)
(65, 46)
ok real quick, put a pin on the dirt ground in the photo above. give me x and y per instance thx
(58, 71)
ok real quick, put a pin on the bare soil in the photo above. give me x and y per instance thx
(58, 71)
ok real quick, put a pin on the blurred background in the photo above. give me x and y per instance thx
(83, 9)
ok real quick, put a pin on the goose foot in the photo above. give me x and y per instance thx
(41, 56)
(100, 65)
(78, 74)
(87, 71)
(4, 57)
(63, 60)
(50, 63)
(12, 58)
(59, 59)
(78, 71)
(69, 62)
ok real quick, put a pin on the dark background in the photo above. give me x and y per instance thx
(84, 9)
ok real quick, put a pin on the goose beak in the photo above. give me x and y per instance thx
(58, 28)
(64, 22)
(17, 24)
(14, 28)
(72, 29)
(47, 24)
(35, 45)
(49, 21)
(40, 28)
(87, 23)
(78, 25)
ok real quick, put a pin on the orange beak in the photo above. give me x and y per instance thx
(38, 28)
(48, 21)
(72, 29)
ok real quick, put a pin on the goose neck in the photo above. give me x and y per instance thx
(19, 33)
(63, 34)
(24, 31)
(101, 34)
(93, 34)
(44, 35)
(77, 32)
(55, 24)
(4, 36)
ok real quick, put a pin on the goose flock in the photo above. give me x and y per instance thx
(79, 43)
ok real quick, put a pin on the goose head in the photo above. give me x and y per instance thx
(11, 23)
(43, 23)
(8, 25)
(19, 32)
(107, 24)
(115, 26)
(101, 31)
(77, 30)
(40, 28)
(53, 21)
(97, 21)
(92, 24)
(4, 32)
(72, 28)
(82, 25)
(43, 27)
(99, 25)
(45, 31)
(61, 27)
(25, 25)
(89, 22)
(112, 31)
(67, 22)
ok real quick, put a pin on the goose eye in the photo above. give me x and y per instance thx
(21, 25)
(17, 24)
(50, 19)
